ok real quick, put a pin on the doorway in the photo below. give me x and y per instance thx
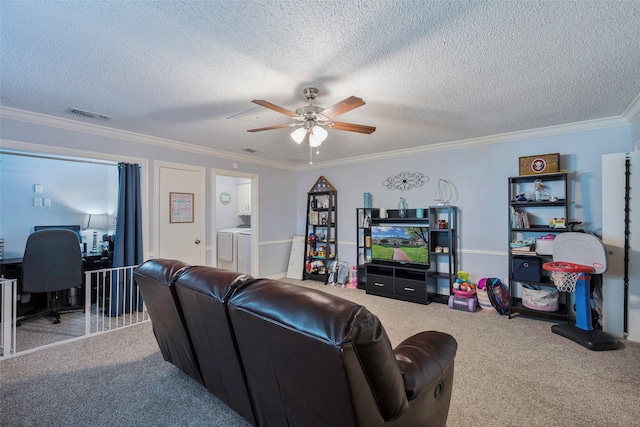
(235, 221)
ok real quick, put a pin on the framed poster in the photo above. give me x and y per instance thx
(181, 207)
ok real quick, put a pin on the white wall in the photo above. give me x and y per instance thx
(277, 213)
(479, 174)
(635, 134)
(74, 189)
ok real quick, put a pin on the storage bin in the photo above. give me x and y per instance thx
(545, 299)
(483, 300)
(544, 245)
(527, 269)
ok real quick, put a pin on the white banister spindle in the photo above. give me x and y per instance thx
(98, 303)
(8, 301)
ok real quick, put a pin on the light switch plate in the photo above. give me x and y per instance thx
(37, 188)
(37, 201)
(47, 201)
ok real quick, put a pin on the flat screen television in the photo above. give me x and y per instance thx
(400, 244)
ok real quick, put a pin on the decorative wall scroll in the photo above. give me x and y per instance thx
(405, 181)
(181, 207)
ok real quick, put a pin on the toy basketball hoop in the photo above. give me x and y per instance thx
(566, 274)
(575, 257)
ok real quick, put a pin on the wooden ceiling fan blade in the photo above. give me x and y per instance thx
(343, 106)
(274, 107)
(270, 127)
(351, 127)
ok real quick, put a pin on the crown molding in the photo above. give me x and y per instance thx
(93, 129)
(484, 140)
(632, 112)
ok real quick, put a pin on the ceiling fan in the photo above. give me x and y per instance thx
(311, 119)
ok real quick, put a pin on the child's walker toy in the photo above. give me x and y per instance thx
(464, 291)
(575, 256)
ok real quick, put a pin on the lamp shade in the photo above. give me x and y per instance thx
(316, 136)
(298, 135)
(99, 222)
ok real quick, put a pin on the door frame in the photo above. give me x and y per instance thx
(53, 151)
(199, 207)
(255, 256)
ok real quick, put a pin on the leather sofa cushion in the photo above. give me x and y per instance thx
(214, 282)
(202, 293)
(155, 280)
(424, 358)
(334, 320)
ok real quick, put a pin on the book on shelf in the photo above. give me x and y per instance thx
(313, 218)
(519, 219)
(523, 250)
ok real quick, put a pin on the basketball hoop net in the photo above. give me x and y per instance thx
(566, 274)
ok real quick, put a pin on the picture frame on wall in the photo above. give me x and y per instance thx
(181, 207)
(539, 164)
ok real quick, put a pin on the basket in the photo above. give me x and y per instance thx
(541, 299)
(483, 299)
(544, 245)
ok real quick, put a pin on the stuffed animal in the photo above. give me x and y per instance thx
(463, 276)
(462, 282)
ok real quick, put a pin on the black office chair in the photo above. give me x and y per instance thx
(52, 262)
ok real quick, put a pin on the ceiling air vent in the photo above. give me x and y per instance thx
(251, 150)
(89, 114)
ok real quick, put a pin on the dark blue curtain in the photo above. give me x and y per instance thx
(127, 250)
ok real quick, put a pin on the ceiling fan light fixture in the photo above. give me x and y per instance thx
(316, 136)
(312, 120)
(298, 135)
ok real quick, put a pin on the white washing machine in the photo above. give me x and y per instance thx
(227, 247)
(244, 251)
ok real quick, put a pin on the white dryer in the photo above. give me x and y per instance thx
(227, 247)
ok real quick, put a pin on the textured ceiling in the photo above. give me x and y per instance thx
(430, 72)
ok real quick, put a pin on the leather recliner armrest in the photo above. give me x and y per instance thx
(423, 358)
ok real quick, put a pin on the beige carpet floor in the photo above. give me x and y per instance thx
(509, 372)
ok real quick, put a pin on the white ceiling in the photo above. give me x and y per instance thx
(431, 72)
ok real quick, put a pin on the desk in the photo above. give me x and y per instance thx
(9, 269)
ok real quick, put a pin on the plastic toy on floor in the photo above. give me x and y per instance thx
(354, 278)
(464, 291)
(575, 257)
(339, 274)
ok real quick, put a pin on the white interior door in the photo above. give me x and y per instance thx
(180, 212)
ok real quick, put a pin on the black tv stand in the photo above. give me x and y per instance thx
(397, 281)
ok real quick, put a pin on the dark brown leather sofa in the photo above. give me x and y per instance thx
(203, 293)
(301, 357)
(155, 280)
